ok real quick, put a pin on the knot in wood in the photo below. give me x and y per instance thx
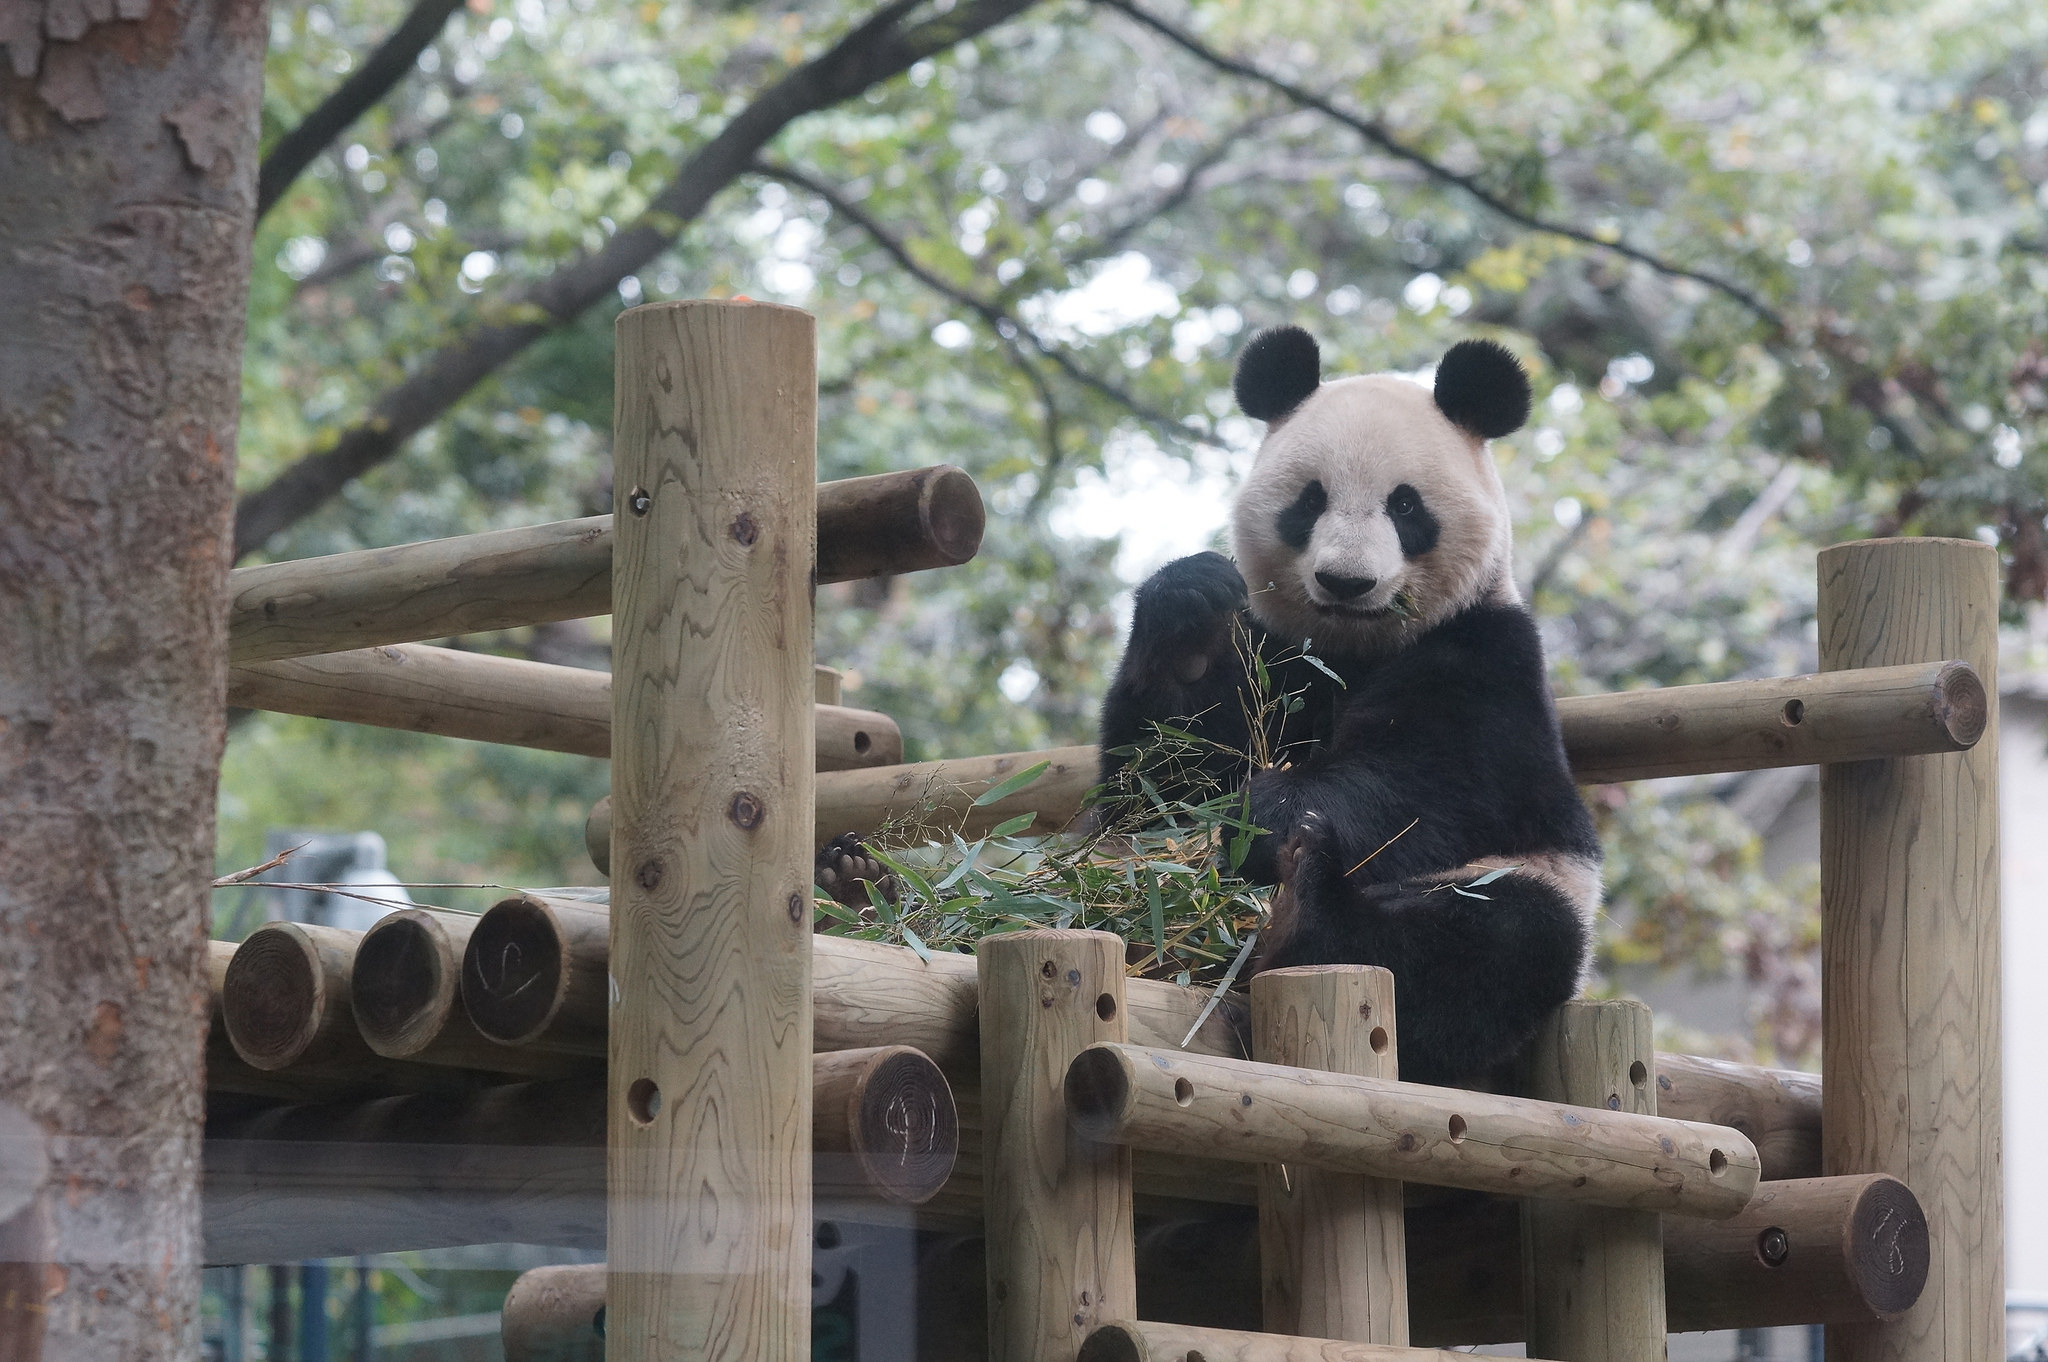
(638, 501)
(648, 876)
(746, 811)
(745, 530)
(796, 908)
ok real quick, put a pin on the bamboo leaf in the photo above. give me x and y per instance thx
(1009, 787)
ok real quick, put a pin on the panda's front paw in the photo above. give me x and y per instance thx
(1181, 619)
(844, 868)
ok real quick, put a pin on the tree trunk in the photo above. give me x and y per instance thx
(127, 192)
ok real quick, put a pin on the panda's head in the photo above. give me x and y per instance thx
(1373, 510)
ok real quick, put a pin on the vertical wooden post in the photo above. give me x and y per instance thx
(1593, 1278)
(715, 449)
(1909, 945)
(1061, 1258)
(1333, 1261)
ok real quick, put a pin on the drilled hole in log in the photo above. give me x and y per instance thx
(1105, 1007)
(643, 1101)
(1717, 1162)
(1795, 713)
(1183, 1092)
(1457, 1129)
(1378, 1040)
(1096, 1087)
(513, 973)
(862, 742)
(1638, 1073)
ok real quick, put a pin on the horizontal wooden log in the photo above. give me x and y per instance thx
(1811, 1251)
(423, 689)
(1779, 1109)
(867, 527)
(1180, 1103)
(1632, 735)
(525, 1162)
(1783, 721)
(1146, 1341)
(404, 990)
(537, 972)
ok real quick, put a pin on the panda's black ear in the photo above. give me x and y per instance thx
(1278, 370)
(1481, 387)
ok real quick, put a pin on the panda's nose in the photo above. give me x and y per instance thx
(1346, 588)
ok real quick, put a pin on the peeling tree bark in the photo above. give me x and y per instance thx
(127, 192)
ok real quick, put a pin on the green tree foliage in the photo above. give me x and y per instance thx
(1780, 272)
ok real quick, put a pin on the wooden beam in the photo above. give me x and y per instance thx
(1147, 1341)
(1058, 1206)
(1177, 1102)
(1334, 1264)
(403, 989)
(504, 579)
(423, 689)
(1593, 1276)
(715, 459)
(1910, 945)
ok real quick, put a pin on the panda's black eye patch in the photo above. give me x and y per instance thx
(1414, 524)
(1298, 521)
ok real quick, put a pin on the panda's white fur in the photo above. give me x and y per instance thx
(1363, 437)
(1422, 751)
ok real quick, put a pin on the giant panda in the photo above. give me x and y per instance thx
(1372, 533)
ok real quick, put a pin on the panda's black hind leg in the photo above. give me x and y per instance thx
(1476, 968)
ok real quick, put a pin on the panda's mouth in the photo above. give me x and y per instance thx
(1353, 612)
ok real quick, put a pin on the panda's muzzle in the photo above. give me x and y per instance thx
(1344, 589)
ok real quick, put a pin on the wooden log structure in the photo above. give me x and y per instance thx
(526, 1161)
(1593, 1276)
(1910, 945)
(555, 1314)
(403, 989)
(715, 455)
(1630, 735)
(1333, 1260)
(1151, 1341)
(503, 579)
(1180, 1103)
(1058, 1205)
(423, 689)
(536, 972)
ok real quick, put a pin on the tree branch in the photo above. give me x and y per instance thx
(358, 94)
(879, 48)
(1007, 327)
(1380, 136)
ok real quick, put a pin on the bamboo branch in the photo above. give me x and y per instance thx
(357, 95)
(879, 48)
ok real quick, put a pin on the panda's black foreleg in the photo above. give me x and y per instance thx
(1476, 969)
(1180, 665)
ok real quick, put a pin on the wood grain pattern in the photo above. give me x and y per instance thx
(715, 451)
(1593, 1276)
(1779, 1109)
(1334, 1264)
(1910, 945)
(1177, 1102)
(883, 1124)
(1146, 1341)
(940, 794)
(444, 691)
(1060, 1254)
(866, 527)
(404, 988)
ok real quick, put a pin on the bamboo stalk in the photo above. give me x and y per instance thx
(503, 579)
(423, 689)
(1593, 1276)
(1177, 1102)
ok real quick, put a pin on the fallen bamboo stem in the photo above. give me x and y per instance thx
(1180, 1103)
(423, 689)
(526, 1161)
(867, 527)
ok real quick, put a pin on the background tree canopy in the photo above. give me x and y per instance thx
(1780, 272)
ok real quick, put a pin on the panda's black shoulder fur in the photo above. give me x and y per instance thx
(1398, 768)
